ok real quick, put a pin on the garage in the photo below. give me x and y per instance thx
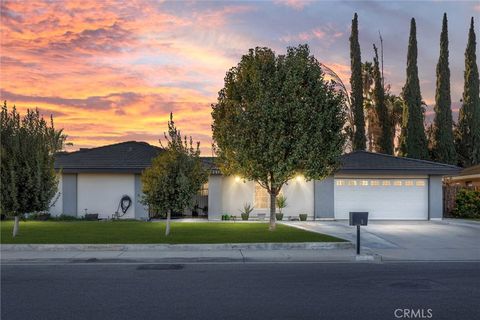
(384, 198)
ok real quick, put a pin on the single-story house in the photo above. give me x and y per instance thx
(388, 187)
(468, 177)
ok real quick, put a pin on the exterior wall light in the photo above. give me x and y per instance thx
(237, 179)
(299, 178)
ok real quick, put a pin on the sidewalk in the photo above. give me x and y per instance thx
(131, 255)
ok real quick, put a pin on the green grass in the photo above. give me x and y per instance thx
(91, 232)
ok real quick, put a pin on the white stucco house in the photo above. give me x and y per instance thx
(389, 188)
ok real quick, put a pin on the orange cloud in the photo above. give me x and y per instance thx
(112, 71)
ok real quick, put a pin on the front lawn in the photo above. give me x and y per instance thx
(91, 232)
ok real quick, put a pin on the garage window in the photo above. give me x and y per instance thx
(420, 183)
(386, 183)
(374, 183)
(397, 183)
(408, 183)
(340, 182)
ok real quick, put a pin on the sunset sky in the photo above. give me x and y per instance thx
(112, 71)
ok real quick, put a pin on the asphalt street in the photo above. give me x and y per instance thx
(447, 290)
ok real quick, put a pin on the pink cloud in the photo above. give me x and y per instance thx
(328, 33)
(295, 4)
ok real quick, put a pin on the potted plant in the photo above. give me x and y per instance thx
(303, 216)
(43, 216)
(247, 209)
(195, 210)
(281, 204)
(91, 216)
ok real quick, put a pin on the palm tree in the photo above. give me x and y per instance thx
(395, 110)
(340, 87)
(371, 119)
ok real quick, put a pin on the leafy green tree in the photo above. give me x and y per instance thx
(28, 177)
(277, 117)
(383, 142)
(443, 148)
(467, 135)
(413, 142)
(359, 139)
(176, 175)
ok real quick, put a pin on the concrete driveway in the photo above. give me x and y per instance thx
(446, 240)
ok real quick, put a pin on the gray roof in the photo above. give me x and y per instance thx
(473, 170)
(128, 157)
(370, 162)
(124, 157)
(134, 157)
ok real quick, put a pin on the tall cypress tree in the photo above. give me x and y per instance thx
(383, 141)
(413, 143)
(443, 148)
(359, 139)
(468, 130)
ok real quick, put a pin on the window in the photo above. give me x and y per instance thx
(364, 183)
(397, 183)
(420, 183)
(203, 190)
(386, 183)
(261, 197)
(374, 183)
(408, 183)
(340, 182)
(352, 182)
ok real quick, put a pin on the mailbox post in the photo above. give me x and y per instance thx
(358, 219)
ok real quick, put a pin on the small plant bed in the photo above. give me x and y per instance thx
(131, 232)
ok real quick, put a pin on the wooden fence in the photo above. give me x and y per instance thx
(450, 195)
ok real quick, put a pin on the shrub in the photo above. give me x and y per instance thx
(225, 217)
(37, 216)
(467, 204)
(303, 217)
(64, 217)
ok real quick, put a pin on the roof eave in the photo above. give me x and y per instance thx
(100, 170)
(443, 171)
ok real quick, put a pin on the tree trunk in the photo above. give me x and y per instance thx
(15, 226)
(167, 229)
(272, 211)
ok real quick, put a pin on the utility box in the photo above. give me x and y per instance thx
(358, 218)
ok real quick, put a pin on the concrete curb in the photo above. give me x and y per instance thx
(460, 222)
(178, 247)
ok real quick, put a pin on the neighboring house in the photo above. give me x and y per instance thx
(386, 186)
(468, 177)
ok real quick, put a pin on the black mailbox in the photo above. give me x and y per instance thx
(358, 218)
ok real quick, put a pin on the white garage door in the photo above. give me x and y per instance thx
(400, 199)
